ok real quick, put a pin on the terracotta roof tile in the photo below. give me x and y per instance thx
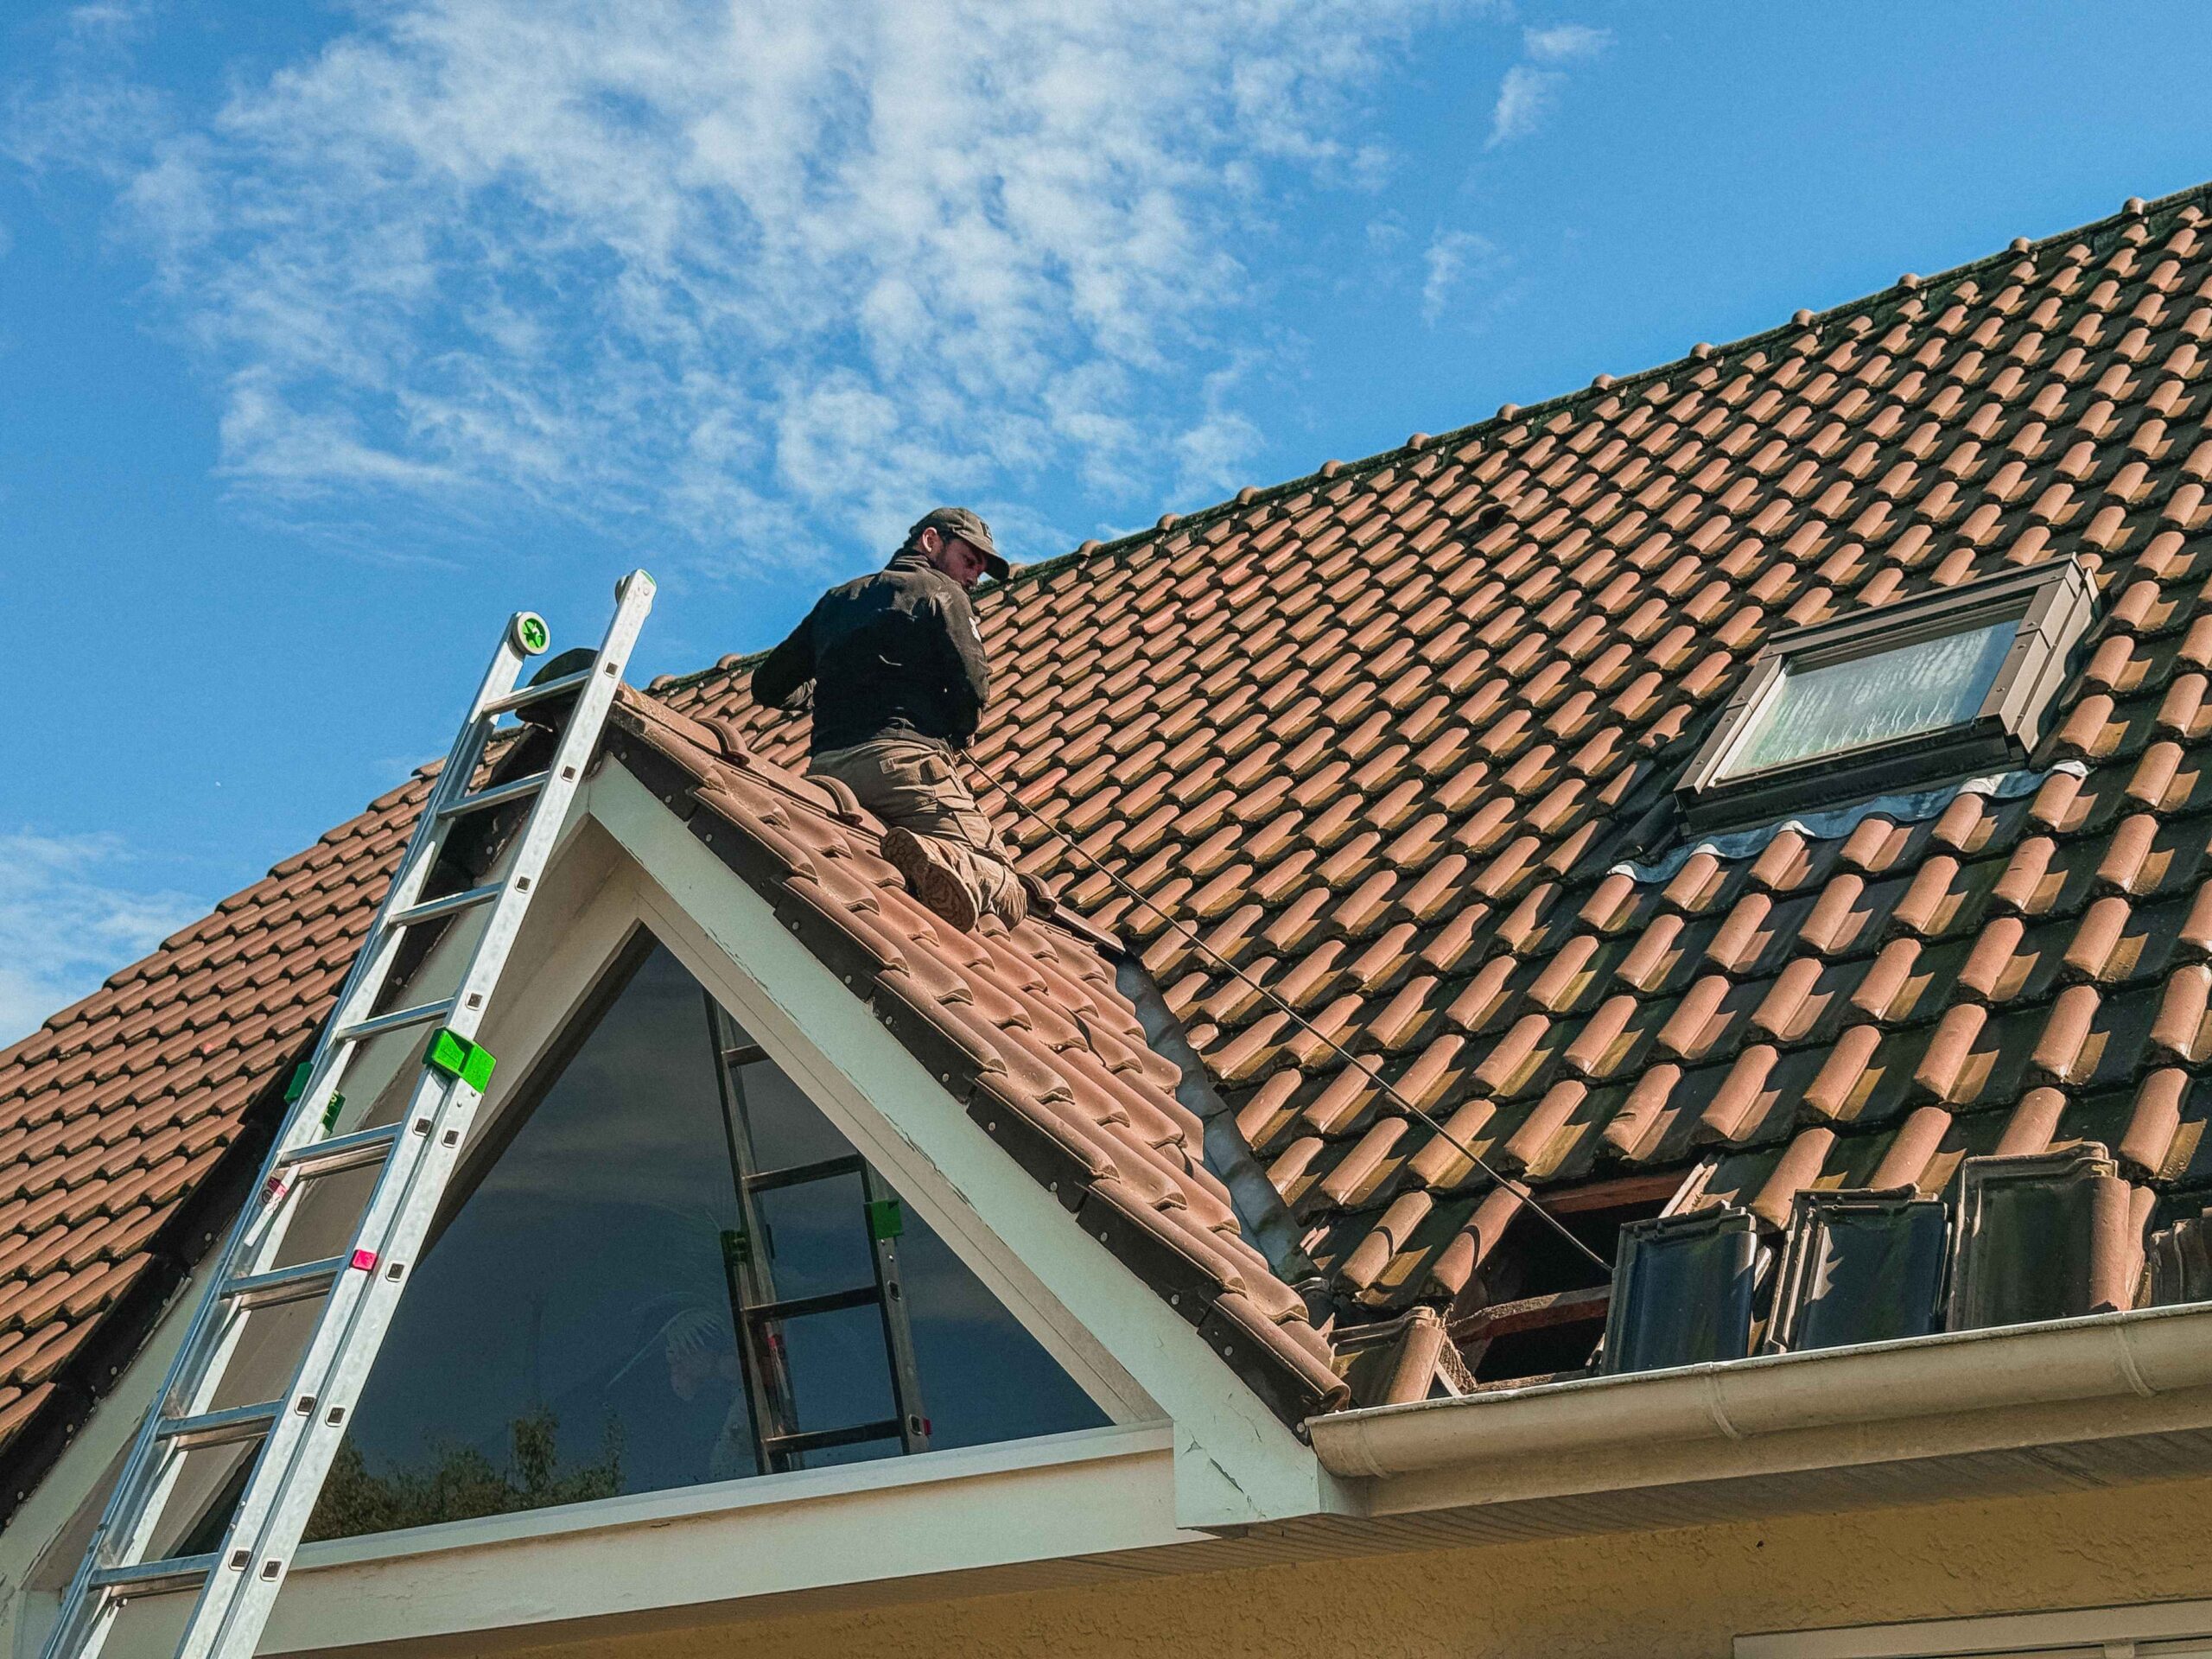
(1383, 736)
(1027, 1027)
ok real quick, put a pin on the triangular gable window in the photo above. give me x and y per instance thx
(573, 1330)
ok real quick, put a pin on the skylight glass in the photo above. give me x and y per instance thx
(1922, 687)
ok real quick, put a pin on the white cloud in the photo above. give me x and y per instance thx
(699, 266)
(64, 926)
(1565, 43)
(1452, 258)
(1522, 101)
(1528, 92)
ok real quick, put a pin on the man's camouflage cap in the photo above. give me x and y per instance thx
(969, 528)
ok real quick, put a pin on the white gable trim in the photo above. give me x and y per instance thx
(1235, 1464)
(1191, 1449)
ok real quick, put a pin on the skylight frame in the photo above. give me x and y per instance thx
(2051, 604)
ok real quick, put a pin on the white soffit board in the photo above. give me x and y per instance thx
(696, 1555)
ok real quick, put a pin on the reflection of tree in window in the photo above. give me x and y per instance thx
(570, 1334)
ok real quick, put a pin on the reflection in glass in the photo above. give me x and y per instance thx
(1917, 688)
(570, 1335)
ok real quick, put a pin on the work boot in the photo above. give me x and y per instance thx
(1000, 892)
(930, 876)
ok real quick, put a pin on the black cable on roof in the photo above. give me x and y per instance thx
(1520, 1191)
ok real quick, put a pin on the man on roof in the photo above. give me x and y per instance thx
(899, 681)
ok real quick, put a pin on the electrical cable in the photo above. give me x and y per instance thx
(1527, 1199)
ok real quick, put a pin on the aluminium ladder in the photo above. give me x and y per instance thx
(410, 1160)
(779, 1443)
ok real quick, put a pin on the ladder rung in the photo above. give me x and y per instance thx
(154, 1577)
(398, 1020)
(744, 1054)
(219, 1427)
(831, 1302)
(497, 795)
(346, 1152)
(805, 1174)
(291, 1284)
(822, 1440)
(549, 689)
(430, 909)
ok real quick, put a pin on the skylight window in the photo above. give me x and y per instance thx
(1893, 699)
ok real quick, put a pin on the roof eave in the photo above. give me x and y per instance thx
(2106, 1386)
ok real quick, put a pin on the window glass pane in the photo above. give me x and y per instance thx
(1917, 688)
(816, 1236)
(983, 1377)
(570, 1335)
(788, 1130)
(841, 1378)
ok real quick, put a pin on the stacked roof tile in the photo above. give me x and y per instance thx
(1397, 740)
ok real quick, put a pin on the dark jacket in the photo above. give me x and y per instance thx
(893, 654)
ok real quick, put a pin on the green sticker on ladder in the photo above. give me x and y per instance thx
(298, 1085)
(455, 1056)
(886, 1219)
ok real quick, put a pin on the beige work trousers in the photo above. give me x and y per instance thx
(914, 785)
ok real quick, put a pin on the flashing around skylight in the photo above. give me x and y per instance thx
(1899, 698)
(1839, 821)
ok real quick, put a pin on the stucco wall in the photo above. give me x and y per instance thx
(1653, 1595)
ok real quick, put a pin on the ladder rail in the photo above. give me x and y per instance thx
(898, 1326)
(200, 1363)
(416, 1156)
(273, 1512)
(371, 964)
(771, 1403)
(141, 1493)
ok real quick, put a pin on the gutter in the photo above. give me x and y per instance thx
(2101, 1376)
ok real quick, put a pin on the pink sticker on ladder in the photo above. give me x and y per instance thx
(364, 1260)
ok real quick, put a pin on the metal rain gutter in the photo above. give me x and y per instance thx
(1562, 1435)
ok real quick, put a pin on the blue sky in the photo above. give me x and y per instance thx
(331, 334)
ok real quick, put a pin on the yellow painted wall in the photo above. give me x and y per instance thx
(1650, 1595)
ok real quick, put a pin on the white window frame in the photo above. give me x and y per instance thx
(2165, 1630)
